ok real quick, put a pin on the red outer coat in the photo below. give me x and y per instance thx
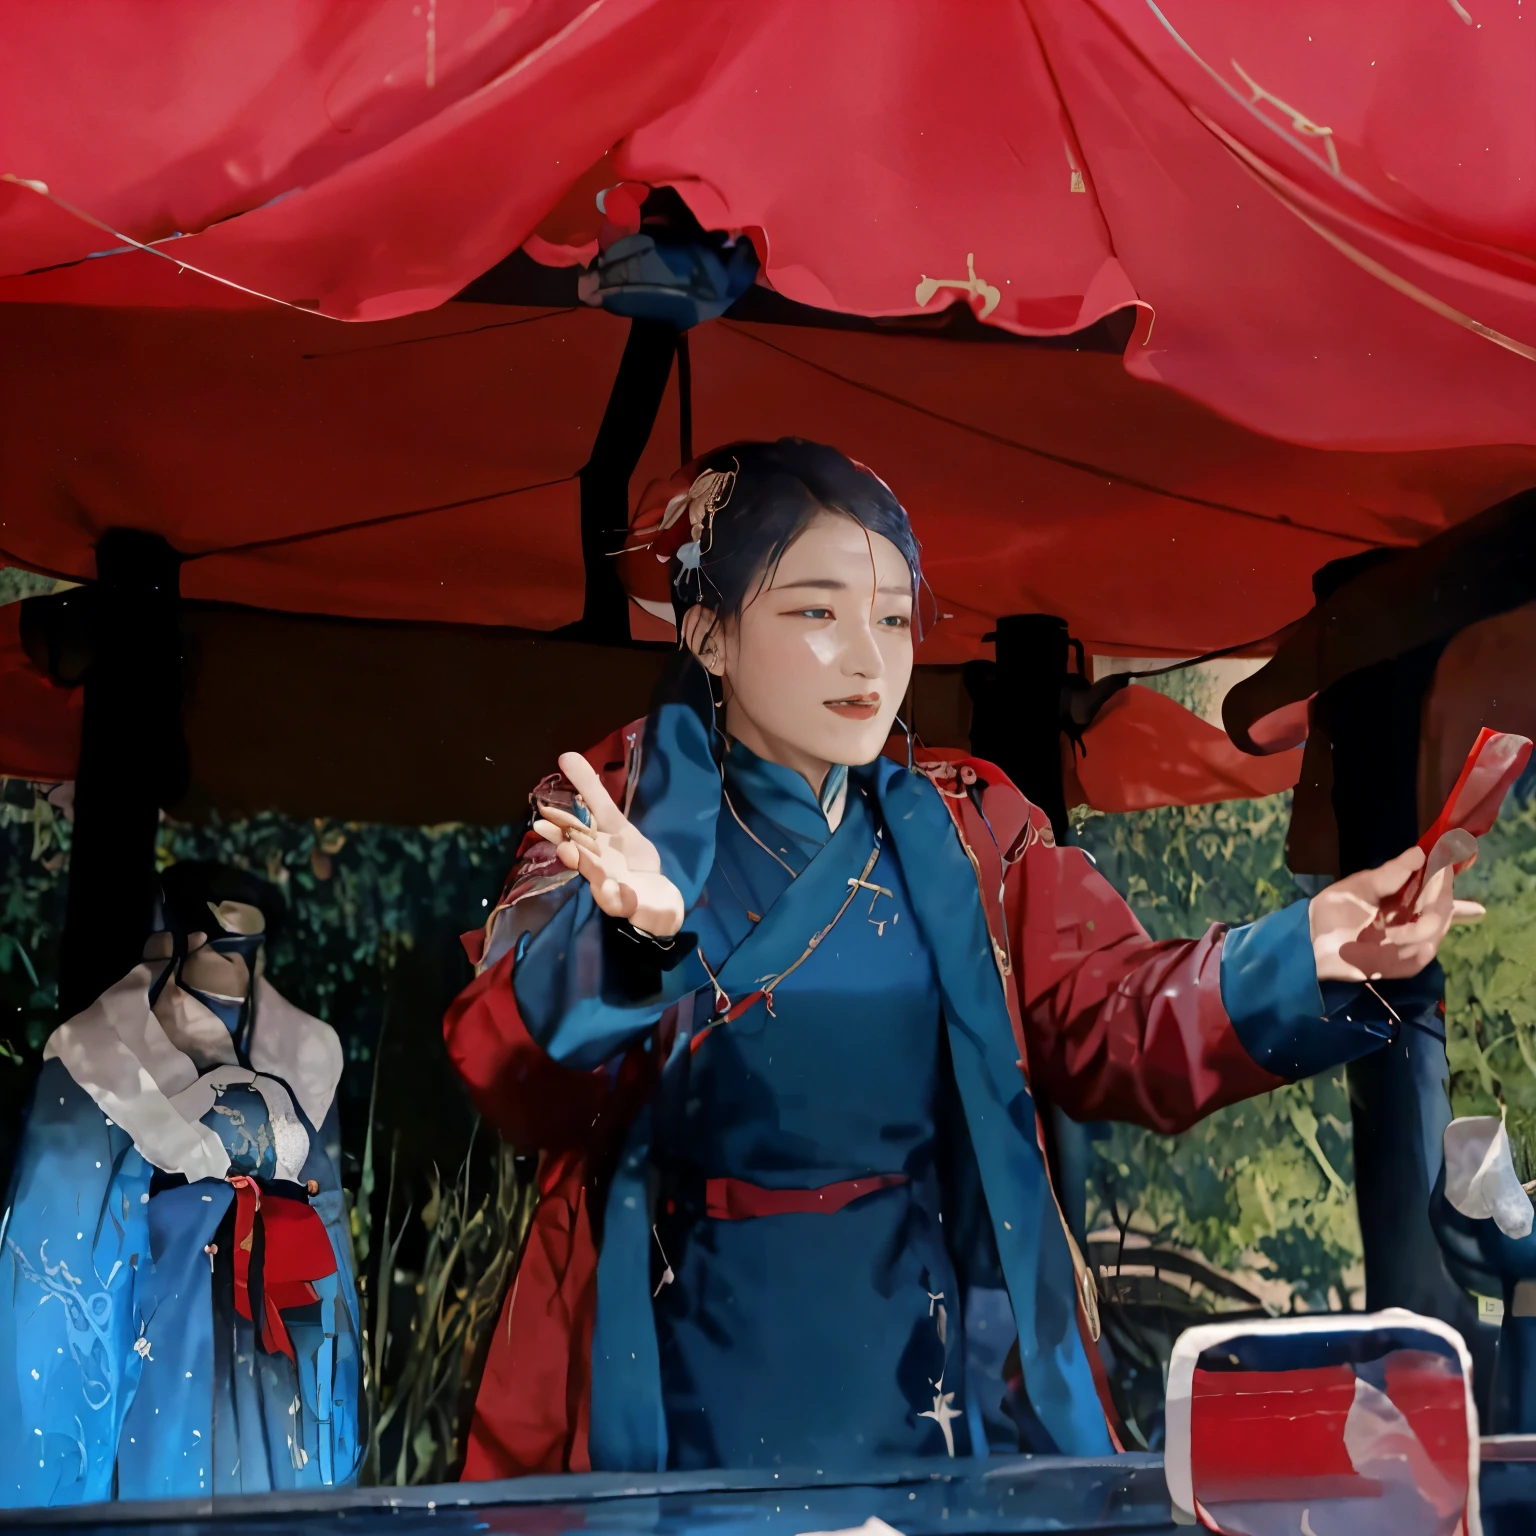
(1110, 1025)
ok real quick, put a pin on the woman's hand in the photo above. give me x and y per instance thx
(1360, 934)
(612, 855)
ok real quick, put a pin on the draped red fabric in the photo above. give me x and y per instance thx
(1325, 218)
(1145, 751)
(1327, 215)
(424, 469)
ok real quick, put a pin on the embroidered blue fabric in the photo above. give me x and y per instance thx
(124, 1372)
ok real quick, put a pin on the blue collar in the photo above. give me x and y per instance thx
(780, 795)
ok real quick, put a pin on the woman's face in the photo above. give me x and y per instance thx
(818, 662)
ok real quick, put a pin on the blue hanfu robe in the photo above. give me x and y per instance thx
(765, 1101)
(804, 1339)
(125, 1371)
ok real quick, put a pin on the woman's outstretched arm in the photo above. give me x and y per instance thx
(1118, 1026)
(562, 1000)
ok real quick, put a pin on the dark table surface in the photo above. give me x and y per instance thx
(1024, 1495)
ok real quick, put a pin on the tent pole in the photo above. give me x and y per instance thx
(1016, 722)
(626, 428)
(684, 400)
(1399, 1096)
(133, 761)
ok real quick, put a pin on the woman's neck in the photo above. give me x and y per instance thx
(813, 770)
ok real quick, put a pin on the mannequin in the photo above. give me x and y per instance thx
(177, 1306)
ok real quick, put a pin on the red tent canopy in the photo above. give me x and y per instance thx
(425, 468)
(1317, 233)
(1327, 215)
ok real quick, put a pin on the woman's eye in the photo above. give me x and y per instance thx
(896, 621)
(814, 613)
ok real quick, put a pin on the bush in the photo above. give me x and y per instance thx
(1263, 1189)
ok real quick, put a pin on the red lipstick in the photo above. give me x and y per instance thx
(857, 706)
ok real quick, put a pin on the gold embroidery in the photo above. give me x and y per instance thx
(1004, 965)
(1299, 120)
(1366, 263)
(942, 774)
(1087, 1290)
(631, 768)
(1078, 183)
(990, 297)
(1091, 1305)
(1310, 130)
(766, 984)
(999, 954)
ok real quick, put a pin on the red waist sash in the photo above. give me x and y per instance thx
(737, 1200)
(296, 1251)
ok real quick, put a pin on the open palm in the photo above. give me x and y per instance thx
(614, 857)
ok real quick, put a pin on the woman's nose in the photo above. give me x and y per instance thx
(862, 656)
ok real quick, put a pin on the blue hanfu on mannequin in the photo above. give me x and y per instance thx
(177, 1307)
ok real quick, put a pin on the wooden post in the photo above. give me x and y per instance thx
(1016, 722)
(133, 761)
(1399, 1096)
(621, 438)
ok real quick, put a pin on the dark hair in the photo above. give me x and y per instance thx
(186, 889)
(780, 488)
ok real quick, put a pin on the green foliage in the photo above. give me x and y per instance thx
(358, 897)
(1264, 1186)
(16, 584)
(419, 1381)
(1184, 867)
(1490, 984)
(34, 847)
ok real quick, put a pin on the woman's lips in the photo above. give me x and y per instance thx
(859, 706)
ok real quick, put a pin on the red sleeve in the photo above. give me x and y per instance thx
(1116, 1026)
(533, 1101)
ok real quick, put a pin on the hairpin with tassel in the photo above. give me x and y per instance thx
(708, 494)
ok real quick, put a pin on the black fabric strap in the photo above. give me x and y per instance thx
(635, 962)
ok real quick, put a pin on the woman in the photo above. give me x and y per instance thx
(773, 1004)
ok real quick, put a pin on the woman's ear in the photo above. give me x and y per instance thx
(701, 634)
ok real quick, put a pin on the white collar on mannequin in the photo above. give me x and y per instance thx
(133, 1060)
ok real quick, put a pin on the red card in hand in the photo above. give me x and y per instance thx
(1496, 760)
